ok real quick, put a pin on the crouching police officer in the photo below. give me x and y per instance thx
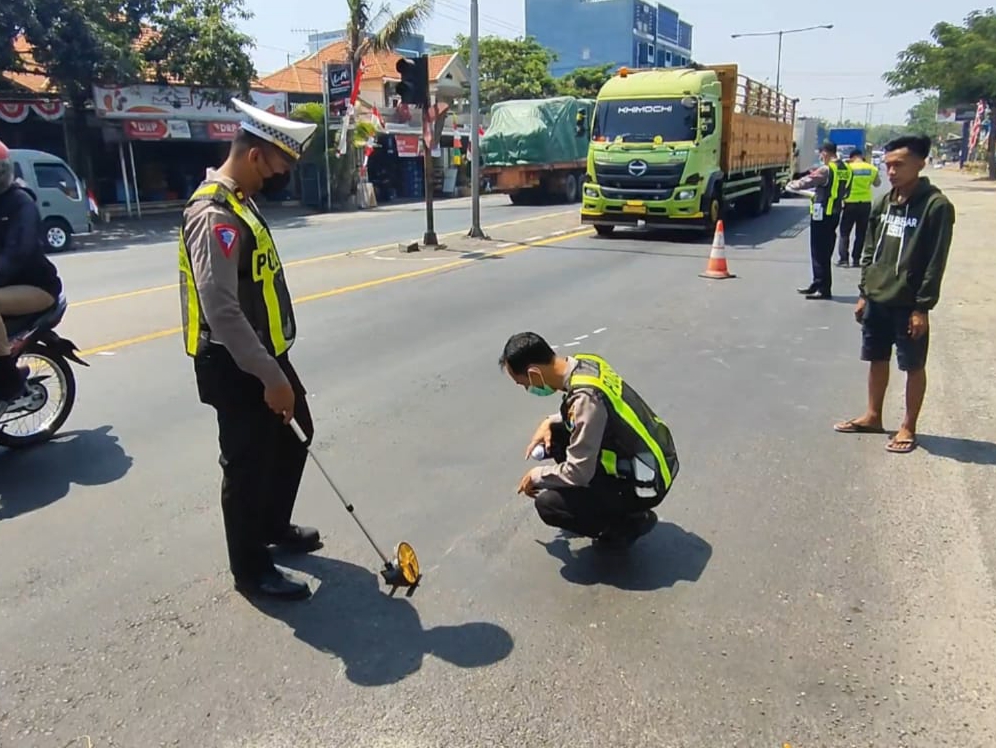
(614, 459)
(238, 324)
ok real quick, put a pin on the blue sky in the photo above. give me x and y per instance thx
(846, 61)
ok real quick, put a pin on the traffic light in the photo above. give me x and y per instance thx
(414, 86)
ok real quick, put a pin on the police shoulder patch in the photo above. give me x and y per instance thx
(226, 235)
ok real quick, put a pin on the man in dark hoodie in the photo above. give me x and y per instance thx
(902, 265)
(29, 282)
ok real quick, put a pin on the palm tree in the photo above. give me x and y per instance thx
(390, 28)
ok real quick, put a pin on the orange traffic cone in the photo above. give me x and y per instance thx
(716, 268)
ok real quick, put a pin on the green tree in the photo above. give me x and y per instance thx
(584, 83)
(957, 61)
(378, 30)
(14, 17)
(511, 68)
(79, 43)
(197, 42)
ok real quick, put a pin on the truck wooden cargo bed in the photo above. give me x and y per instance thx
(758, 124)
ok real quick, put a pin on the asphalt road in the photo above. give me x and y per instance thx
(799, 589)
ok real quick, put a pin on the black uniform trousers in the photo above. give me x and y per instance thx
(262, 459)
(604, 504)
(822, 238)
(855, 216)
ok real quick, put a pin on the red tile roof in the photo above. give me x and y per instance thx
(305, 75)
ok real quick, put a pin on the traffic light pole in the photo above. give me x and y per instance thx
(429, 239)
(476, 232)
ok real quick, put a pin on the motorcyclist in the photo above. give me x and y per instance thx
(29, 282)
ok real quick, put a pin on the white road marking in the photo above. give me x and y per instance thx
(581, 337)
(532, 239)
(600, 329)
(503, 246)
(559, 233)
(568, 345)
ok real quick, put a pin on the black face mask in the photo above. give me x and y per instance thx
(274, 185)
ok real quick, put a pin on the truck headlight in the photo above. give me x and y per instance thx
(686, 194)
(590, 192)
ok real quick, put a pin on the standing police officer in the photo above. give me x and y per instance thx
(830, 184)
(238, 324)
(857, 209)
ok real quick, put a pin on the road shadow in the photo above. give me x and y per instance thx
(969, 451)
(379, 639)
(850, 299)
(33, 478)
(668, 555)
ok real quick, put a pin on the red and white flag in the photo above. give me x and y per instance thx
(350, 109)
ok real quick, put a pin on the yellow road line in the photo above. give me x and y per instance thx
(309, 260)
(518, 247)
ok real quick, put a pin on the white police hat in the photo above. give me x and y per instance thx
(288, 135)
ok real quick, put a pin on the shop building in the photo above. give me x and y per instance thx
(396, 165)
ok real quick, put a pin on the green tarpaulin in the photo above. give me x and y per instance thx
(535, 131)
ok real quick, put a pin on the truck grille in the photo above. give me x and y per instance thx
(657, 182)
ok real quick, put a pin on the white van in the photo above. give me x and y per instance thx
(63, 203)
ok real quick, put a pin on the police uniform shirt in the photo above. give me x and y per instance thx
(589, 416)
(816, 178)
(214, 238)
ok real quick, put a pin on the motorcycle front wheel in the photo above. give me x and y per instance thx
(37, 416)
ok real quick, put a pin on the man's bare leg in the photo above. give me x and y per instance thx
(14, 301)
(878, 384)
(916, 390)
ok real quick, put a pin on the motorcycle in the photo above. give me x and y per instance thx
(34, 343)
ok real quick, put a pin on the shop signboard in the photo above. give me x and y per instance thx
(152, 102)
(339, 79)
(409, 146)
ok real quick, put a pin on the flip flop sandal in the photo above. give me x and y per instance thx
(853, 427)
(901, 446)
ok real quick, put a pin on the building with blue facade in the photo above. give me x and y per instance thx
(586, 33)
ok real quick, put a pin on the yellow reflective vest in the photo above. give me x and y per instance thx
(263, 294)
(637, 445)
(863, 176)
(831, 195)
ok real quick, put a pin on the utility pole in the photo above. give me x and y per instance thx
(781, 33)
(476, 231)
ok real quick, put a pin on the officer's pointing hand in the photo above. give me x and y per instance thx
(280, 399)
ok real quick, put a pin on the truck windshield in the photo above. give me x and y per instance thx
(642, 120)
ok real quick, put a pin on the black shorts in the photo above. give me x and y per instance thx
(885, 326)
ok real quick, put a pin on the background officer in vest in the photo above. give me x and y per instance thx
(238, 326)
(606, 477)
(857, 209)
(829, 184)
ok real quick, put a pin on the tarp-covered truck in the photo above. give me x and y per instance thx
(537, 148)
(676, 147)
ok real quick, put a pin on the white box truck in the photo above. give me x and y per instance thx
(807, 145)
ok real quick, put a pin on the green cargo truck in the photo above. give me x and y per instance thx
(678, 147)
(536, 149)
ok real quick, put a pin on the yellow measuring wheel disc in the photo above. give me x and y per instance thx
(407, 562)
